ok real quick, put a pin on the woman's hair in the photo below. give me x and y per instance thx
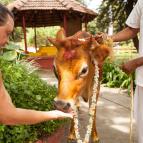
(4, 12)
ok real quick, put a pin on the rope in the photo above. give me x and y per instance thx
(131, 114)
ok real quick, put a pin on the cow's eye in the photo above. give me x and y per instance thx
(83, 72)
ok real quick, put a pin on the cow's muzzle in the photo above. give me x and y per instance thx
(62, 105)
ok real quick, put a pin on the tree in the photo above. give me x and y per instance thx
(5, 2)
(120, 11)
(81, 1)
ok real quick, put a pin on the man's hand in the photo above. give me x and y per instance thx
(101, 37)
(128, 67)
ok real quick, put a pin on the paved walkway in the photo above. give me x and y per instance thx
(113, 113)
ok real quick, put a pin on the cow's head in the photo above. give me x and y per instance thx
(74, 66)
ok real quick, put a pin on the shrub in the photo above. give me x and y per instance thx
(27, 90)
(113, 76)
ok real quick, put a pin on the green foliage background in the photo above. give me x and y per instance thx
(27, 90)
(114, 77)
(5, 2)
(42, 35)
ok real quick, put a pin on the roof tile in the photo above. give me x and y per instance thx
(50, 4)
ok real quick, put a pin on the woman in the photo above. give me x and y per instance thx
(9, 114)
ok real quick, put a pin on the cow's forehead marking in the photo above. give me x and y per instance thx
(69, 54)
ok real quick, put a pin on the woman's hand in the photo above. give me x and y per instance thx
(60, 115)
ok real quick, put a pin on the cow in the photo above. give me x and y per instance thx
(74, 68)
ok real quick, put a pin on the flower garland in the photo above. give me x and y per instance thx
(91, 110)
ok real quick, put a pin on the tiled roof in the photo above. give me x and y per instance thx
(50, 5)
(49, 12)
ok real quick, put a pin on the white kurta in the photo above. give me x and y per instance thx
(138, 107)
(135, 20)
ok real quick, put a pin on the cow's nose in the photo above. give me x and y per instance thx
(61, 105)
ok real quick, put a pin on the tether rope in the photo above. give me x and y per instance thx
(132, 108)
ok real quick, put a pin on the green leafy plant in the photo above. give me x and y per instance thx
(27, 90)
(113, 76)
(12, 52)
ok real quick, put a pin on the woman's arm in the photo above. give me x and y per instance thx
(10, 115)
(17, 116)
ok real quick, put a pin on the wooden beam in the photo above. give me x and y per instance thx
(35, 38)
(86, 22)
(65, 23)
(24, 31)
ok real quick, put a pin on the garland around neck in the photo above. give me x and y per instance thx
(91, 110)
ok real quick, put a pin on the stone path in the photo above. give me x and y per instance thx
(113, 113)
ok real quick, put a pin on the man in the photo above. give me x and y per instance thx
(135, 25)
(9, 114)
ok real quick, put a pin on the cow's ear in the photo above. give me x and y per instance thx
(59, 38)
(61, 35)
(101, 51)
(53, 41)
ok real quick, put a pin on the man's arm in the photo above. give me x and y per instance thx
(10, 115)
(131, 65)
(125, 34)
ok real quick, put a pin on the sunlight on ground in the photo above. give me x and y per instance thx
(100, 103)
(121, 128)
(121, 120)
(119, 124)
(111, 107)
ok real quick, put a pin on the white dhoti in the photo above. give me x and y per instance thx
(138, 112)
